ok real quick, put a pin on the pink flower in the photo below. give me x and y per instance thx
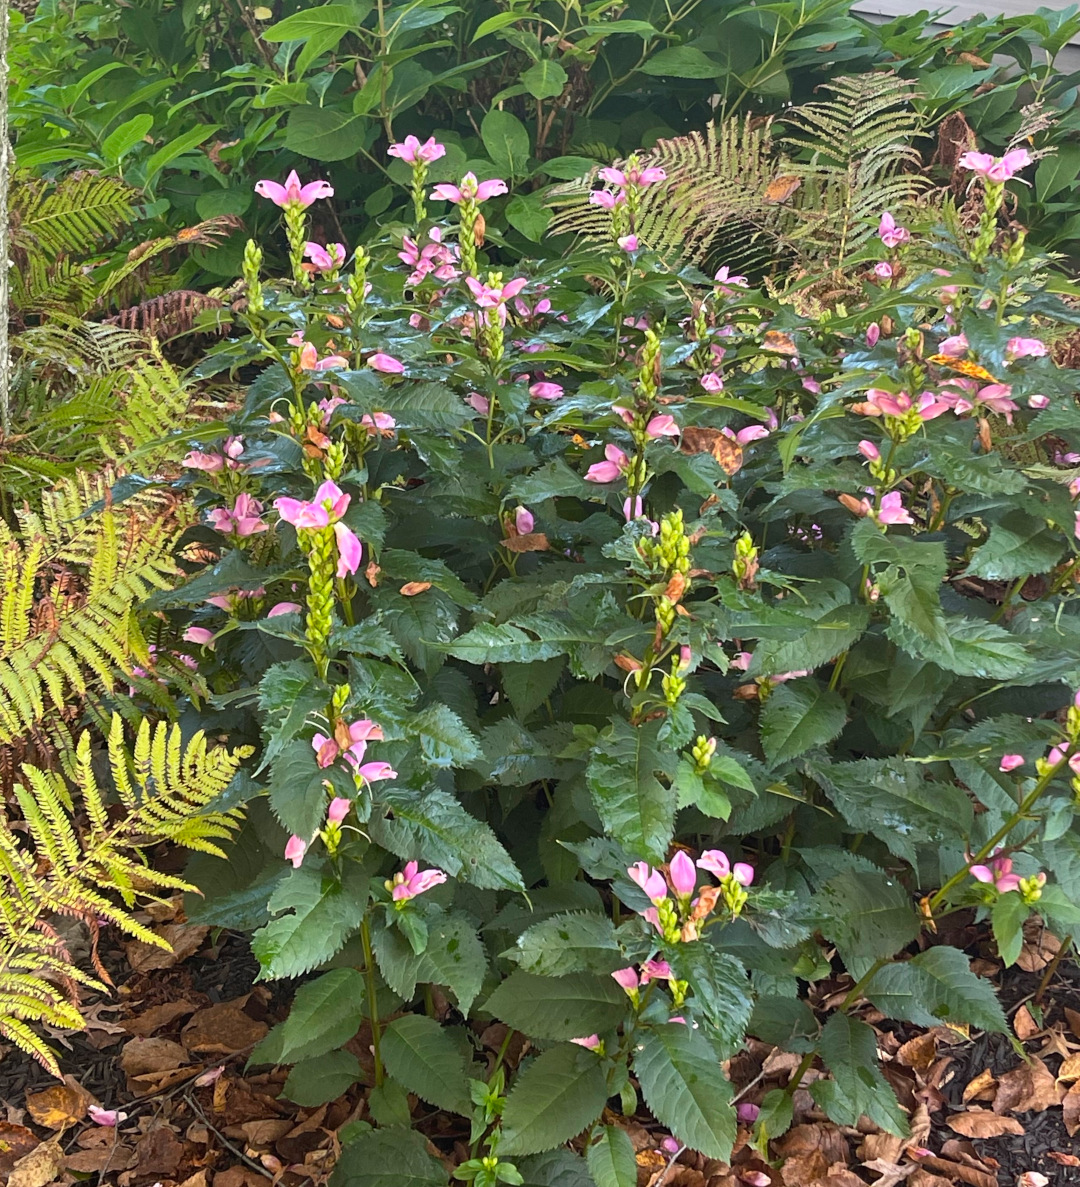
(292, 193)
(741, 871)
(386, 363)
(488, 296)
(627, 978)
(545, 390)
(106, 1117)
(870, 451)
(650, 880)
(244, 518)
(751, 433)
(283, 608)
(1009, 762)
(955, 347)
(371, 772)
(412, 151)
(747, 1112)
(663, 425)
(670, 1146)
(478, 402)
(295, 850)
(197, 460)
(929, 407)
(301, 514)
(310, 361)
(873, 333)
(683, 875)
(1022, 348)
(724, 278)
(997, 874)
(325, 259)
(523, 521)
(655, 970)
(715, 861)
(338, 810)
(890, 233)
(607, 199)
(1038, 402)
(624, 414)
(414, 881)
(886, 403)
(996, 397)
(607, 471)
(996, 169)
(638, 177)
(350, 550)
(741, 663)
(628, 243)
(712, 382)
(200, 635)
(883, 271)
(377, 422)
(470, 190)
(892, 509)
(590, 1042)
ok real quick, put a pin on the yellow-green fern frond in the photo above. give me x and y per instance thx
(57, 867)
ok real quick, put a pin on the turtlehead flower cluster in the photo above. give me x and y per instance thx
(435, 258)
(412, 881)
(213, 463)
(999, 877)
(467, 198)
(622, 199)
(350, 743)
(296, 848)
(294, 199)
(244, 518)
(676, 913)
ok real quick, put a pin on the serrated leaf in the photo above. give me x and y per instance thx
(568, 1007)
(324, 1015)
(721, 990)
(445, 740)
(423, 1058)
(685, 1089)
(799, 716)
(611, 1159)
(558, 1095)
(437, 828)
(314, 1082)
(637, 808)
(571, 943)
(870, 917)
(1007, 918)
(388, 1158)
(849, 1048)
(320, 914)
(937, 986)
(489, 643)
(1019, 545)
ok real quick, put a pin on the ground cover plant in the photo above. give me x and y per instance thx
(624, 649)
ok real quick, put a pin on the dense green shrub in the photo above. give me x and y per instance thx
(687, 639)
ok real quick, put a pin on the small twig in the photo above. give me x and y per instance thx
(256, 1166)
(667, 1169)
(753, 1083)
(1052, 968)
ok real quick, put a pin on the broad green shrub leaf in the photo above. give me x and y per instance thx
(296, 789)
(637, 808)
(454, 957)
(437, 828)
(445, 740)
(611, 1159)
(580, 943)
(389, 1158)
(324, 1015)
(320, 913)
(857, 1089)
(423, 1058)
(937, 986)
(685, 1089)
(489, 643)
(558, 1095)
(873, 790)
(1007, 919)
(528, 214)
(554, 1168)
(1019, 546)
(681, 61)
(869, 917)
(316, 1081)
(506, 140)
(799, 716)
(568, 1007)
(544, 79)
(721, 990)
(325, 133)
(388, 1104)
(302, 25)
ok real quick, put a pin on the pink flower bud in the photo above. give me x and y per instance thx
(523, 521)
(627, 978)
(715, 861)
(590, 1043)
(747, 1112)
(295, 850)
(1009, 762)
(870, 451)
(883, 271)
(338, 810)
(683, 875)
(873, 333)
(742, 873)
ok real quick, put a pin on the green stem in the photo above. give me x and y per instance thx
(373, 1002)
(1026, 804)
(856, 990)
(797, 1075)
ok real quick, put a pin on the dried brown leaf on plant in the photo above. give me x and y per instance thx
(982, 1123)
(727, 452)
(411, 588)
(528, 542)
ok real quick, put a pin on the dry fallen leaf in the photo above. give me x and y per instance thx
(919, 1052)
(411, 588)
(140, 1056)
(922, 1178)
(1070, 1108)
(1024, 1025)
(1070, 1069)
(60, 1106)
(1063, 1159)
(529, 542)
(981, 1123)
(157, 1017)
(38, 1167)
(1040, 947)
(16, 1141)
(1030, 1088)
(727, 452)
(222, 1029)
(983, 1087)
(889, 1173)
(184, 940)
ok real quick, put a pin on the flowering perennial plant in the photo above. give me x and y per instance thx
(616, 644)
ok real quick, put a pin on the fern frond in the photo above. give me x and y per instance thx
(69, 216)
(166, 790)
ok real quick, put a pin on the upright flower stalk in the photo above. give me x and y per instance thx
(294, 199)
(994, 172)
(467, 197)
(419, 156)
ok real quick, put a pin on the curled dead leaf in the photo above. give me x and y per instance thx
(1070, 1107)
(527, 542)
(16, 1141)
(727, 451)
(982, 1123)
(1030, 1088)
(60, 1106)
(411, 588)
(983, 1087)
(38, 1167)
(780, 341)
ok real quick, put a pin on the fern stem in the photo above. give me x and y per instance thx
(373, 1002)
